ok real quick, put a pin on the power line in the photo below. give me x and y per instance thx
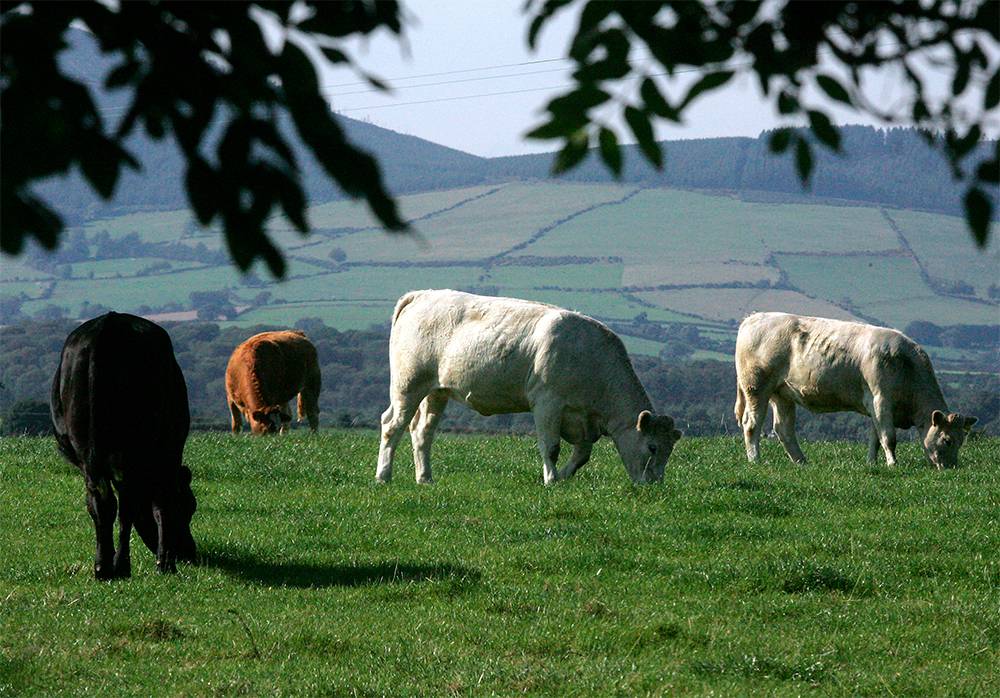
(452, 72)
(525, 90)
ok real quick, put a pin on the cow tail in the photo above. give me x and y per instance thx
(93, 405)
(404, 301)
(740, 404)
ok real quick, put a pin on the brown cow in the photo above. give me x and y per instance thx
(267, 371)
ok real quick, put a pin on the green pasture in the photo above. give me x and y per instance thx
(151, 226)
(483, 227)
(834, 578)
(934, 240)
(728, 304)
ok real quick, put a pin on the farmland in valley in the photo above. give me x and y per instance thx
(618, 252)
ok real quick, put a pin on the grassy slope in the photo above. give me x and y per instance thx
(727, 579)
(844, 260)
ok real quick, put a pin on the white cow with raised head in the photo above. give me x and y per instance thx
(504, 355)
(835, 366)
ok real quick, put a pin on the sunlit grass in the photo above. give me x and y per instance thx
(838, 576)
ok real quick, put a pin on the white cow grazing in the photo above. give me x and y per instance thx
(835, 366)
(504, 355)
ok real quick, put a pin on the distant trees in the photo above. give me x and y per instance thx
(699, 394)
(795, 51)
(29, 417)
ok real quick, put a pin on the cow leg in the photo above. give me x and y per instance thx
(754, 413)
(103, 507)
(394, 422)
(285, 414)
(308, 403)
(873, 444)
(164, 541)
(886, 428)
(422, 429)
(784, 425)
(578, 459)
(548, 425)
(123, 558)
(237, 415)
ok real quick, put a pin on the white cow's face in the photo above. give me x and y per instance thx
(945, 436)
(646, 449)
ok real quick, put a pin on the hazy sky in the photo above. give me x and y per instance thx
(456, 51)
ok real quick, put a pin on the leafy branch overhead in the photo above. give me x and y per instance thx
(202, 73)
(800, 53)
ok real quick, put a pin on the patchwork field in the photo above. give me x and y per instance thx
(838, 578)
(616, 252)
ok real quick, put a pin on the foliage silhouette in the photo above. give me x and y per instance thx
(192, 69)
(798, 50)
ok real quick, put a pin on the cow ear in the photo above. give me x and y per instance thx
(968, 422)
(938, 418)
(677, 434)
(645, 417)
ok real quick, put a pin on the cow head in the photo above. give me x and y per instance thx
(266, 421)
(646, 448)
(944, 437)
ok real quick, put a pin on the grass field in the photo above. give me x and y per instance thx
(836, 578)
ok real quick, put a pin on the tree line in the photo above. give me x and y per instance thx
(355, 369)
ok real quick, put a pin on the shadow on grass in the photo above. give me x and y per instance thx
(304, 575)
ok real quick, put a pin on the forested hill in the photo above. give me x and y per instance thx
(893, 167)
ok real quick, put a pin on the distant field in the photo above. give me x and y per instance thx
(734, 304)
(837, 578)
(727, 256)
(933, 237)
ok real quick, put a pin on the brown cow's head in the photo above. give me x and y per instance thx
(266, 421)
(944, 437)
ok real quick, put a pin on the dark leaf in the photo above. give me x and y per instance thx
(200, 182)
(803, 160)
(558, 127)
(122, 75)
(710, 82)
(963, 72)
(787, 103)
(780, 140)
(825, 131)
(572, 153)
(989, 171)
(577, 102)
(610, 152)
(655, 102)
(833, 89)
(639, 123)
(977, 211)
(992, 97)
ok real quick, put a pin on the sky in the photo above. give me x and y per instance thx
(463, 76)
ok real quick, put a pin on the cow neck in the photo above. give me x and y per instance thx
(623, 412)
(922, 412)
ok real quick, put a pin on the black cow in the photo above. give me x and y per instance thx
(120, 411)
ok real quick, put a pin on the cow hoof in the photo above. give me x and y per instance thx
(123, 569)
(104, 572)
(166, 567)
(383, 478)
(424, 480)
